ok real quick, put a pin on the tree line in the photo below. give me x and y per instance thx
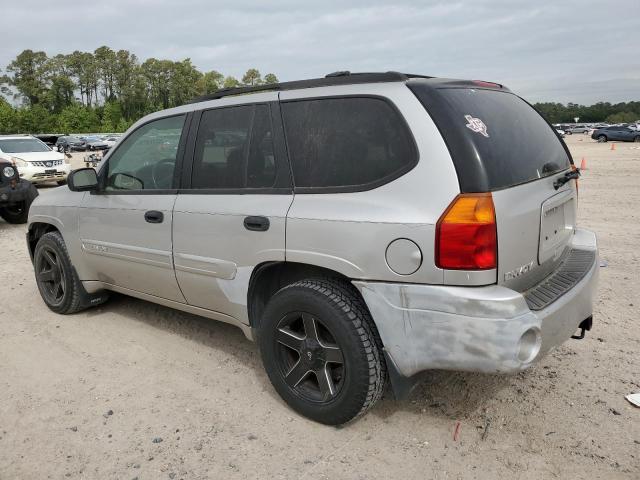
(107, 90)
(624, 112)
(101, 91)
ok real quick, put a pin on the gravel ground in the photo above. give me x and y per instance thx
(134, 390)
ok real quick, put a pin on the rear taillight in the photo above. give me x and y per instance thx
(466, 237)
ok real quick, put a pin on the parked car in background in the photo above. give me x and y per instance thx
(68, 143)
(102, 144)
(560, 132)
(356, 226)
(16, 194)
(616, 133)
(576, 129)
(36, 161)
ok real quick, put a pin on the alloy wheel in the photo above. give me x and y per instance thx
(309, 357)
(50, 275)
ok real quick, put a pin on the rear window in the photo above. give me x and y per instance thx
(346, 144)
(23, 145)
(496, 139)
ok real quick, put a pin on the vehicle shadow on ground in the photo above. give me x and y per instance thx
(442, 394)
(210, 333)
(447, 395)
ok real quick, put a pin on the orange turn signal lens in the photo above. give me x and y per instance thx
(466, 236)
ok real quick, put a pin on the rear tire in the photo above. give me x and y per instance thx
(321, 350)
(602, 138)
(57, 281)
(636, 139)
(62, 182)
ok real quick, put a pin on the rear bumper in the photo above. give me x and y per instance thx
(480, 329)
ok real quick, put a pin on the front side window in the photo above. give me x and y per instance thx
(234, 149)
(346, 142)
(146, 159)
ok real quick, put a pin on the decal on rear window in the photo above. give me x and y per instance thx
(476, 125)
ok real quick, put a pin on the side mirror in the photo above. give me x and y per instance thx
(83, 180)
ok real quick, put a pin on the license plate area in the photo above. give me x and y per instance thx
(557, 223)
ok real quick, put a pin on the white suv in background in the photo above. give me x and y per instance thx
(36, 162)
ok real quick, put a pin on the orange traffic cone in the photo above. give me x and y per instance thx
(613, 146)
(583, 164)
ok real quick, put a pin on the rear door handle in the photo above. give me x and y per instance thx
(154, 216)
(256, 224)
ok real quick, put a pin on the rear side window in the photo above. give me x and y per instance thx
(234, 149)
(346, 143)
(496, 139)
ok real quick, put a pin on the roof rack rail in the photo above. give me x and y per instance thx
(336, 78)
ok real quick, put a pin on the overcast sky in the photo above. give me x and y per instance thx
(562, 50)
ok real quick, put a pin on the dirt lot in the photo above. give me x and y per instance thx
(85, 396)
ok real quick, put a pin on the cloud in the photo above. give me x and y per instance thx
(562, 51)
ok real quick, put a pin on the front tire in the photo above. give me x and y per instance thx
(56, 279)
(19, 212)
(16, 213)
(62, 182)
(321, 351)
(636, 139)
(602, 138)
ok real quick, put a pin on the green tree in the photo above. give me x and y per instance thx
(78, 118)
(123, 125)
(231, 82)
(252, 77)
(270, 78)
(111, 116)
(106, 65)
(101, 91)
(157, 74)
(184, 82)
(35, 119)
(28, 75)
(8, 117)
(623, 117)
(83, 68)
(60, 93)
(210, 82)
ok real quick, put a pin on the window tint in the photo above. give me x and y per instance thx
(146, 159)
(346, 142)
(234, 149)
(496, 139)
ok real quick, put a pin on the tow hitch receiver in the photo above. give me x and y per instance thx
(584, 325)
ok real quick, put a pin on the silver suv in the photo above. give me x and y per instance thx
(359, 227)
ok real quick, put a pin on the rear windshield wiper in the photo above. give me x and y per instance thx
(567, 176)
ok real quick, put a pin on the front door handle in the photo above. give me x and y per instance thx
(154, 216)
(256, 224)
